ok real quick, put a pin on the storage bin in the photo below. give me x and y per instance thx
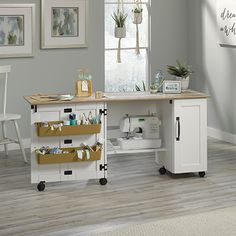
(66, 130)
(79, 88)
(69, 157)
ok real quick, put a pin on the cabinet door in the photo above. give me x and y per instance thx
(48, 173)
(190, 141)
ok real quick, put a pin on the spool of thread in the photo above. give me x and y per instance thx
(73, 122)
(98, 95)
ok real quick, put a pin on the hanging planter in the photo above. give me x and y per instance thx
(138, 16)
(120, 30)
(137, 20)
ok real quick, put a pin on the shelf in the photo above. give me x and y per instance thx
(66, 130)
(69, 157)
(121, 151)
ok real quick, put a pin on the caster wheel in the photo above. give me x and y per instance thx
(103, 181)
(202, 174)
(162, 170)
(41, 186)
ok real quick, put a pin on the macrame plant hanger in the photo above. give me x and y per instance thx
(120, 33)
(137, 20)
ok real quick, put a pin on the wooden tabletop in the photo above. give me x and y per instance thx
(45, 99)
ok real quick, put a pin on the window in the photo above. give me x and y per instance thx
(133, 69)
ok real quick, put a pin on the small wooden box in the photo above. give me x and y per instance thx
(79, 91)
(67, 130)
(68, 158)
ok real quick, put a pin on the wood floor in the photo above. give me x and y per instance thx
(135, 193)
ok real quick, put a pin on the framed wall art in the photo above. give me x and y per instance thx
(171, 86)
(226, 19)
(17, 25)
(64, 23)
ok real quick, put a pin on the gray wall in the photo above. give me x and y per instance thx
(214, 65)
(169, 33)
(54, 71)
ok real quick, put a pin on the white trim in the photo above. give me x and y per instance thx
(15, 146)
(221, 135)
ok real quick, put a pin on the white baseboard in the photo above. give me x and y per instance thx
(221, 135)
(15, 146)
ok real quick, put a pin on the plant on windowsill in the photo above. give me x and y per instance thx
(153, 88)
(139, 89)
(181, 72)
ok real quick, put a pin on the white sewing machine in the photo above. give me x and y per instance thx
(143, 132)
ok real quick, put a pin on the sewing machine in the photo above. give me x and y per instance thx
(142, 132)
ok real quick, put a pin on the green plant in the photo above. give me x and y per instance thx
(181, 70)
(154, 86)
(139, 89)
(119, 19)
(137, 10)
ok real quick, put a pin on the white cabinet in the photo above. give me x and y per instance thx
(183, 133)
(41, 173)
(187, 143)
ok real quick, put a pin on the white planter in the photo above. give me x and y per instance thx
(184, 82)
(137, 18)
(153, 91)
(120, 32)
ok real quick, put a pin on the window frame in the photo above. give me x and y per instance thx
(147, 48)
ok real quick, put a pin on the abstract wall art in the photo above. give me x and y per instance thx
(64, 23)
(17, 30)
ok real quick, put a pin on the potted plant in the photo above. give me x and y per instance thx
(137, 15)
(137, 20)
(139, 89)
(120, 30)
(153, 88)
(181, 72)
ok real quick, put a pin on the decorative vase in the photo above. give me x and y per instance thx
(137, 18)
(184, 82)
(120, 32)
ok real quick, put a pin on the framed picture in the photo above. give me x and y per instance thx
(226, 22)
(172, 86)
(17, 25)
(64, 23)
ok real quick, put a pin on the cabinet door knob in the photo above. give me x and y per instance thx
(178, 129)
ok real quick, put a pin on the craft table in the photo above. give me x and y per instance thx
(183, 133)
